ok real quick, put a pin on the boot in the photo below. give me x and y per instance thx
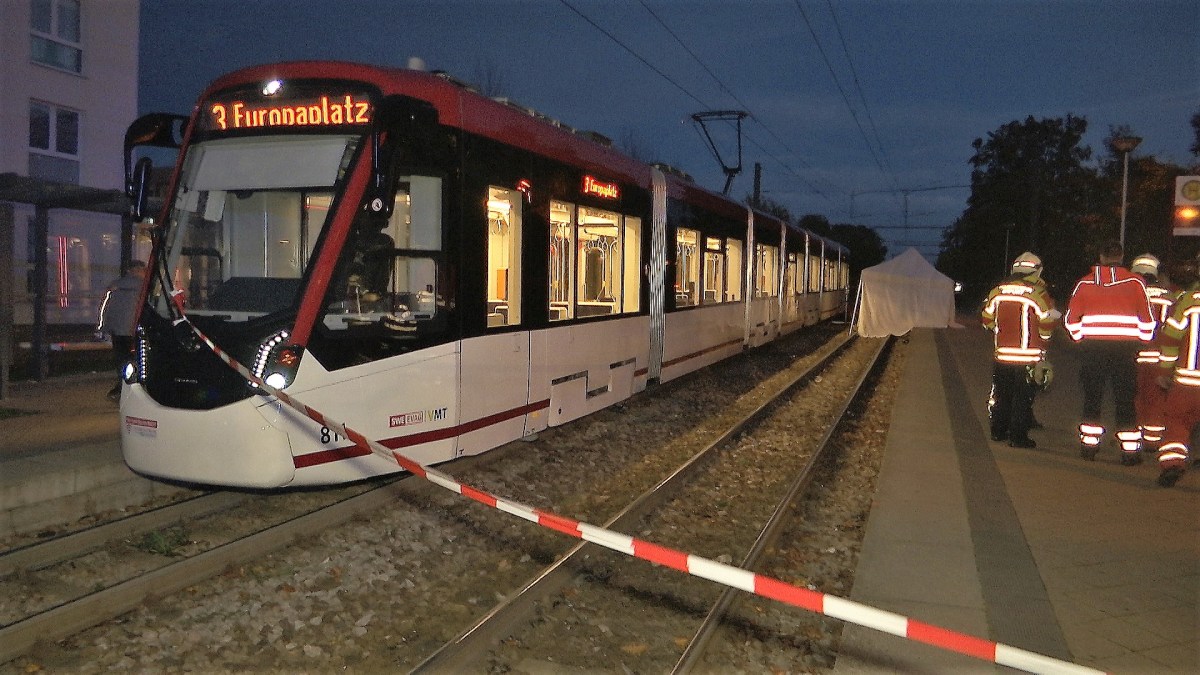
(1131, 458)
(1088, 452)
(1026, 442)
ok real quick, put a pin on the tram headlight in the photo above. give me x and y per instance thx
(129, 373)
(276, 362)
(277, 380)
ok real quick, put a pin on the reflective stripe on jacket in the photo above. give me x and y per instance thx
(1179, 340)
(1161, 302)
(1017, 312)
(1110, 304)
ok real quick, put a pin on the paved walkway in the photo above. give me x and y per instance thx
(1089, 562)
(57, 413)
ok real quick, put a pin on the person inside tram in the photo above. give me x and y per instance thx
(372, 266)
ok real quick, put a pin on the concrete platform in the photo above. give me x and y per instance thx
(60, 458)
(1088, 562)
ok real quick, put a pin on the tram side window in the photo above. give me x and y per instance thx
(734, 269)
(389, 285)
(714, 270)
(789, 282)
(814, 273)
(503, 257)
(562, 261)
(632, 261)
(416, 221)
(601, 276)
(595, 262)
(687, 266)
(766, 270)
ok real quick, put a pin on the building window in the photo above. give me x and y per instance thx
(55, 39)
(53, 143)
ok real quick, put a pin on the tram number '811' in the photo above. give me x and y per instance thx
(330, 436)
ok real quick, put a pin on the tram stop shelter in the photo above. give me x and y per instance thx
(44, 196)
(900, 294)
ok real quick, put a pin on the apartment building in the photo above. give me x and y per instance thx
(68, 90)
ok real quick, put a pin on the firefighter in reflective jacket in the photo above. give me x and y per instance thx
(1021, 317)
(1109, 316)
(1150, 398)
(1179, 368)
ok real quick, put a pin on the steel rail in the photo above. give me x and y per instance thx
(72, 545)
(696, 648)
(464, 650)
(68, 618)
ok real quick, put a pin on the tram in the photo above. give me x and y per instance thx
(440, 271)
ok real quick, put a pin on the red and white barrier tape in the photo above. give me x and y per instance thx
(727, 575)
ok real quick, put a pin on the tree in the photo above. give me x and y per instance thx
(489, 78)
(1030, 191)
(770, 206)
(815, 223)
(865, 245)
(633, 143)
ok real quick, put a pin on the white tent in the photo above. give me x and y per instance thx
(903, 293)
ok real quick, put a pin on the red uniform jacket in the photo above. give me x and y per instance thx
(1110, 304)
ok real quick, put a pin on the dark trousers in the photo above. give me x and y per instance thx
(1109, 363)
(1011, 404)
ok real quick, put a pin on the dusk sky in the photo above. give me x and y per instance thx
(851, 103)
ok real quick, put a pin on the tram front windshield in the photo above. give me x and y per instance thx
(245, 220)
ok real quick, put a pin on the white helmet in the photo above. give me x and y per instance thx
(1145, 264)
(1027, 264)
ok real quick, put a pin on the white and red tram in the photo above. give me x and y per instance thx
(440, 271)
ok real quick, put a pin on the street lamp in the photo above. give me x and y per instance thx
(1125, 145)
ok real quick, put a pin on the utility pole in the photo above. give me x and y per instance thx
(757, 185)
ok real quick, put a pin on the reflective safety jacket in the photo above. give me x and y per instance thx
(1179, 340)
(1109, 304)
(1162, 299)
(1019, 314)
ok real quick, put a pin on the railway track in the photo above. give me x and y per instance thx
(529, 626)
(382, 590)
(46, 609)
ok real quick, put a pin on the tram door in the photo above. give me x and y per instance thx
(494, 380)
